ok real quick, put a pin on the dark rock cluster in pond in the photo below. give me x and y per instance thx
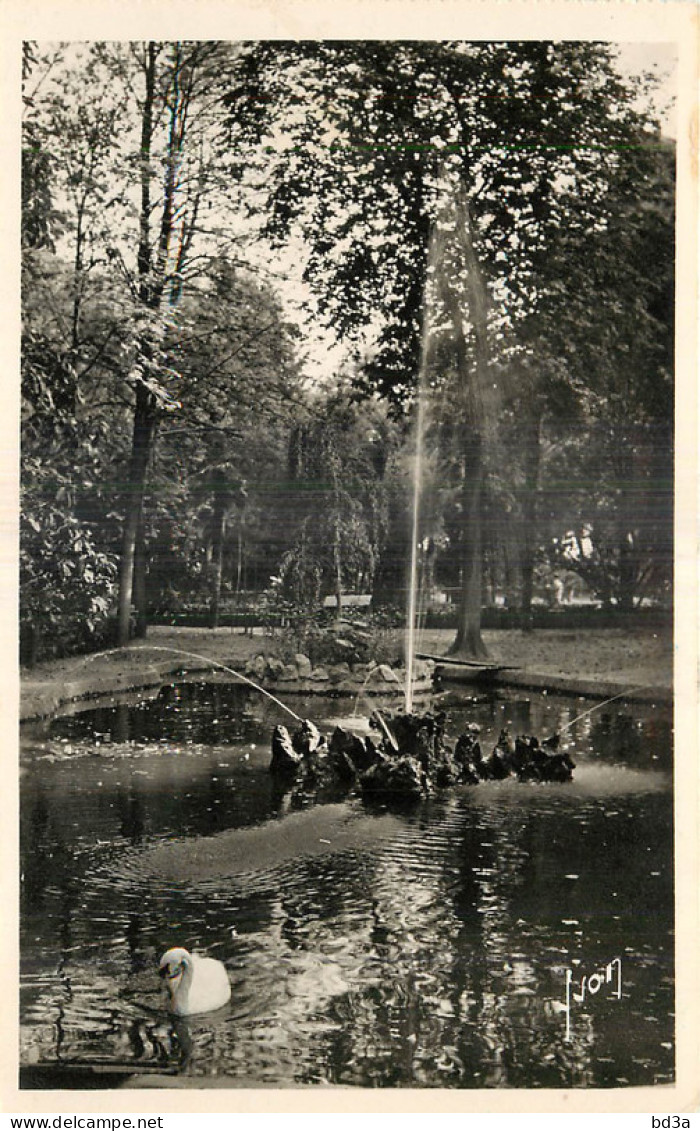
(524, 757)
(410, 757)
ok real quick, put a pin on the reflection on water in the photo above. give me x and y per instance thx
(419, 947)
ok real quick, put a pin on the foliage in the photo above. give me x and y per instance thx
(222, 457)
(531, 130)
(337, 500)
(167, 346)
(555, 162)
(66, 578)
(351, 641)
(167, 424)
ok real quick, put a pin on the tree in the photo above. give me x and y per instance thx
(620, 456)
(240, 387)
(336, 463)
(66, 577)
(536, 177)
(67, 573)
(160, 263)
(136, 123)
(532, 133)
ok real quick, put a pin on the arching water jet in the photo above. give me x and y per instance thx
(206, 660)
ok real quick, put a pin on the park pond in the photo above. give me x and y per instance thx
(441, 944)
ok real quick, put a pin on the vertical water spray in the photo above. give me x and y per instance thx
(415, 529)
(434, 250)
(455, 316)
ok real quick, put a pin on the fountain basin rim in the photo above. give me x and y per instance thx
(595, 688)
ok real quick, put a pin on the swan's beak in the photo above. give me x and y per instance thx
(171, 972)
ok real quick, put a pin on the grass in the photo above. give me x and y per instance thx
(636, 657)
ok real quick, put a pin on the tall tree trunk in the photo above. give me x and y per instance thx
(337, 555)
(217, 561)
(239, 559)
(143, 261)
(338, 570)
(627, 584)
(140, 593)
(629, 507)
(78, 274)
(150, 290)
(144, 413)
(474, 377)
(468, 641)
(533, 451)
(144, 431)
(509, 566)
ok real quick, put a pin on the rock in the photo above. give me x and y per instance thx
(529, 772)
(558, 768)
(289, 674)
(303, 664)
(425, 749)
(344, 740)
(410, 758)
(521, 754)
(387, 674)
(339, 672)
(445, 770)
(346, 687)
(530, 759)
(319, 675)
(547, 765)
(375, 753)
(465, 764)
(275, 667)
(307, 739)
(401, 778)
(505, 757)
(497, 765)
(260, 667)
(417, 734)
(467, 744)
(316, 765)
(361, 752)
(342, 765)
(305, 752)
(286, 761)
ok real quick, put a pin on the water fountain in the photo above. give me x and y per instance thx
(204, 659)
(351, 917)
(413, 757)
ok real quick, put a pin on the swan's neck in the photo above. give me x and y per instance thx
(181, 991)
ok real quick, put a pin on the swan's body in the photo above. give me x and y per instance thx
(195, 984)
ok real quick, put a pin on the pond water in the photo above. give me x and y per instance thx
(396, 947)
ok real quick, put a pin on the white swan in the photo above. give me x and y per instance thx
(195, 984)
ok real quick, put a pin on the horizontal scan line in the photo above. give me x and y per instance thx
(427, 147)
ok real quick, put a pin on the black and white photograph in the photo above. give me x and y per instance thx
(347, 569)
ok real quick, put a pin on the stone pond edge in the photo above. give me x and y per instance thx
(40, 699)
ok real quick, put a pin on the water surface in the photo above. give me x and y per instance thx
(405, 947)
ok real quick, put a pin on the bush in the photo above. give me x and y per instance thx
(357, 639)
(67, 585)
